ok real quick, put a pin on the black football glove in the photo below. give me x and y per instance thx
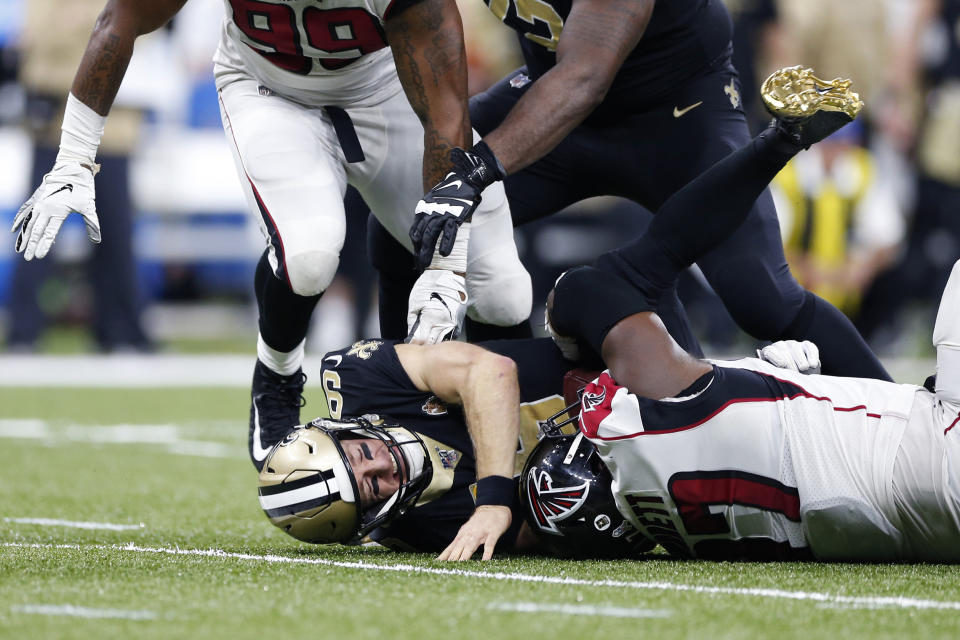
(452, 201)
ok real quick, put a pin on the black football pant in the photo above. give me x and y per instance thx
(648, 156)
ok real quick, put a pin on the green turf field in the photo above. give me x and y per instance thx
(189, 554)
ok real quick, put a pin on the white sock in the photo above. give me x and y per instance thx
(279, 362)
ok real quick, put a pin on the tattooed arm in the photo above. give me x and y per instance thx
(427, 42)
(108, 53)
(597, 37)
(69, 186)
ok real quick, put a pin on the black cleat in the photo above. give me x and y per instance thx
(807, 109)
(275, 402)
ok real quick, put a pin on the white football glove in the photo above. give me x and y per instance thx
(68, 188)
(567, 345)
(437, 305)
(803, 357)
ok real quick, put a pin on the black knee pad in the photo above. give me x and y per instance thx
(588, 302)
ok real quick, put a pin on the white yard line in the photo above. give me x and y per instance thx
(132, 370)
(894, 602)
(579, 610)
(52, 522)
(159, 434)
(83, 612)
(126, 371)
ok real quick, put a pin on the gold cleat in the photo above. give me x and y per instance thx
(807, 108)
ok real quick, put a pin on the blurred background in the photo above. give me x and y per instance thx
(870, 218)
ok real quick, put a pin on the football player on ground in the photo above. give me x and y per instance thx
(631, 98)
(313, 95)
(745, 460)
(720, 460)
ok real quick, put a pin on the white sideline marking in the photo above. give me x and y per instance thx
(52, 522)
(161, 434)
(83, 612)
(579, 610)
(130, 371)
(28, 429)
(900, 602)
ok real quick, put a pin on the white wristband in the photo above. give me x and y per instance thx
(457, 260)
(82, 129)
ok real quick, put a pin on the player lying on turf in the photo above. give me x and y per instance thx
(312, 97)
(792, 465)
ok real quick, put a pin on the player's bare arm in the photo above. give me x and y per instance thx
(427, 43)
(486, 385)
(643, 357)
(69, 186)
(108, 53)
(597, 37)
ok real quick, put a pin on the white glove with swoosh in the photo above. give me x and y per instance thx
(68, 188)
(438, 303)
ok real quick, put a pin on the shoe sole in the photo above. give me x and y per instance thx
(795, 93)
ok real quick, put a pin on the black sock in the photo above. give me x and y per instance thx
(284, 315)
(843, 351)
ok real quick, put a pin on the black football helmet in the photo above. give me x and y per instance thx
(568, 501)
(308, 489)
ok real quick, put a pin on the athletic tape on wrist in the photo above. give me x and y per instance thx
(496, 490)
(457, 260)
(81, 132)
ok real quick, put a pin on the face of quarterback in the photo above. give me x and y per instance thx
(378, 470)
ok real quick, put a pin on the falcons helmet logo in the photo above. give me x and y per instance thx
(550, 504)
(593, 400)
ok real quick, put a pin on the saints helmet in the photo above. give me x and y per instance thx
(308, 489)
(568, 502)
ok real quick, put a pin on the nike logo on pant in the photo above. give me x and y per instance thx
(677, 112)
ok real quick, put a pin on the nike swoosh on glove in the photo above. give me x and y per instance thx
(803, 357)
(438, 303)
(68, 188)
(452, 201)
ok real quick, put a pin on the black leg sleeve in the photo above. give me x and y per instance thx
(843, 351)
(284, 315)
(700, 216)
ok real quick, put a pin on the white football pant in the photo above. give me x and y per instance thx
(295, 168)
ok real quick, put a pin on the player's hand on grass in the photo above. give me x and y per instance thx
(791, 354)
(484, 527)
(68, 188)
(437, 305)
